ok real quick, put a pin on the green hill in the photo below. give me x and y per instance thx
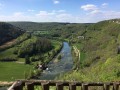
(34, 26)
(8, 32)
(50, 29)
(100, 46)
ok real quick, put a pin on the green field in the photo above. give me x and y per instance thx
(10, 52)
(41, 32)
(10, 71)
(7, 53)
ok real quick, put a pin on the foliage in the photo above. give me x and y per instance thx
(27, 59)
(8, 59)
(8, 32)
(100, 46)
(39, 45)
(59, 57)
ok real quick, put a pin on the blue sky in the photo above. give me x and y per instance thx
(77, 11)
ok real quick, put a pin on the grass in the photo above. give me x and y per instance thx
(101, 72)
(8, 52)
(10, 71)
(41, 32)
(82, 54)
(56, 44)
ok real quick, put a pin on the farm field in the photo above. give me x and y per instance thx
(11, 71)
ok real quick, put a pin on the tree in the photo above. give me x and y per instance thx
(27, 59)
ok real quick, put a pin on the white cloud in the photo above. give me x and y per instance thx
(89, 7)
(56, 1)
(94, 12)
(18, 14)
(45, 13)
(92, 15)
(104, 15)
(42, 16)
(105, 4)
(65, 17)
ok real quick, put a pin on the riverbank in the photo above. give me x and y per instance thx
(76, 56)
(44, 66)
(57, 68)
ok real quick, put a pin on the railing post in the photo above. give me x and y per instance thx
(106, 86)
(20, 87)
(115, 86)
(16, 86)
(30, 86)
(72, 86)
(59, 86)
(45, 86)
(84, 87)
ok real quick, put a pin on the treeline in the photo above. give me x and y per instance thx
(19, 40)
(51, 30)
(39, 46)
(34, 26)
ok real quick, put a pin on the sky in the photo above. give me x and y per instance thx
(74, 11)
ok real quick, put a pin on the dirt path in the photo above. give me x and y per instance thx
(77, 52)
(5, 83)
(19, 62)
(7, 44)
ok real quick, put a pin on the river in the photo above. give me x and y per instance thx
(57, 68)
(62, 66)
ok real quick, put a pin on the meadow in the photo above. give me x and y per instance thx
(13, 70)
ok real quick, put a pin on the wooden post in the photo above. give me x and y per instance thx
(116, 86)
(20, 87)
(72, 86)
(84, 87)
(30, 86)
(45, 86)
(106, 86)
(59, 86)
(16, 86)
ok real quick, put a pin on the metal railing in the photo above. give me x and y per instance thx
(45, 84)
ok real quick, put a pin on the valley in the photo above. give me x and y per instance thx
(93, 51)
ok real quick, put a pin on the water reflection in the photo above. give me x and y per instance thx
(56, 68)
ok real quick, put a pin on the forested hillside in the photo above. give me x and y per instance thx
(34, 26)
(8, 32)
(98, 44)
(100, 47)
(52, 29)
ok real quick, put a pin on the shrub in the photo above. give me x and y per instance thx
(27, 59)
(8, 59)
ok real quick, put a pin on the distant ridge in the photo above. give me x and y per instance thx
(8, 32)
